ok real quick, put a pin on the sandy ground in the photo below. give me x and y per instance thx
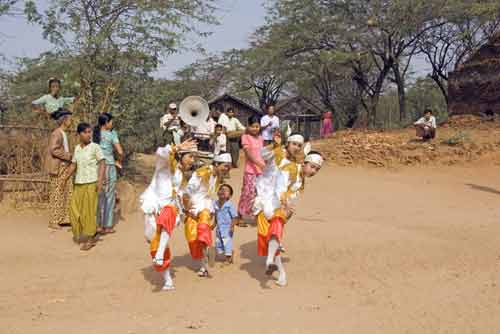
(370, 251)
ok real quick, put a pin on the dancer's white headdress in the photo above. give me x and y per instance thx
(315, 158)
(295, 139)
(223, 158)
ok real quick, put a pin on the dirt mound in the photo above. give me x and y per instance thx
(458, 142)
(464, 121)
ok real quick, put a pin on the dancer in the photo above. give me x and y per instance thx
(198, 205)
(161, 203)
(282, 189)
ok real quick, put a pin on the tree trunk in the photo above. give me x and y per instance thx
(401, 92)
(441, 86)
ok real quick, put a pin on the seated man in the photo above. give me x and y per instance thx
(426, 126)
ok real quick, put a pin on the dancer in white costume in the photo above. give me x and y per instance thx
(277, 188)
(162, 205)
(198, 199)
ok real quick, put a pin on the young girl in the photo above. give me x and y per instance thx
(109, 142)
(161, 203)
(52, 101)
(198, 205)
(252, 143)
(88, 162)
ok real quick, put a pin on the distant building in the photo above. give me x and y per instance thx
(474, 88)
(303, 115)
(243, 110)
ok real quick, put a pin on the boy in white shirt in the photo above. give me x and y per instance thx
(269, 124)
(219, 140)
(426, 126)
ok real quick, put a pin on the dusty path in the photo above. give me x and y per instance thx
(415, 251)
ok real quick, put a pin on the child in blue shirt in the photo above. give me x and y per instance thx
(226, 217)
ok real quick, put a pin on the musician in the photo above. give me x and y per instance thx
(234, 130)
(171, 125)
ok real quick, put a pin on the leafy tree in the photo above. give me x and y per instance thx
(117, 39)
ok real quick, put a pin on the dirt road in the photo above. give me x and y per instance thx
(370, 251)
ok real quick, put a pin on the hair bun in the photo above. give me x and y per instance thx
(55, 115)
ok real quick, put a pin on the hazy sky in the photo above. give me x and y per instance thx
(239, 18)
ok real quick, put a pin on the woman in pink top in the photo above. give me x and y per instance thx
(327, 128)
(252, 143)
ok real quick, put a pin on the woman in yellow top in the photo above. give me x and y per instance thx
(198, 199)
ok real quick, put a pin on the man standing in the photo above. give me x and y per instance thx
(269, 124)
(234, 130)
(426, 126)
(170, 123)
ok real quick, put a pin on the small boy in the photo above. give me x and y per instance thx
(226, 218)
(219, 141)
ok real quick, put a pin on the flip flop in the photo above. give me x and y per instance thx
(87, 246)
(168, 288)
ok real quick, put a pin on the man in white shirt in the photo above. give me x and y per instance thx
(426, 126)
(269, 124)
(171, 124)
(234, 130)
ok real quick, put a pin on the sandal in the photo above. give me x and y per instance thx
(109, 231)
(87, 246)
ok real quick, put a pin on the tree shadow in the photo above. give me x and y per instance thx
(255, 267)
(483, 188)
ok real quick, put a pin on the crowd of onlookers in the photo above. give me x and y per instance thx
(82, 183)
(222, 131)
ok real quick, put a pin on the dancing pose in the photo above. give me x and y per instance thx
(277, 187)
(198, 205)
(161, 202)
